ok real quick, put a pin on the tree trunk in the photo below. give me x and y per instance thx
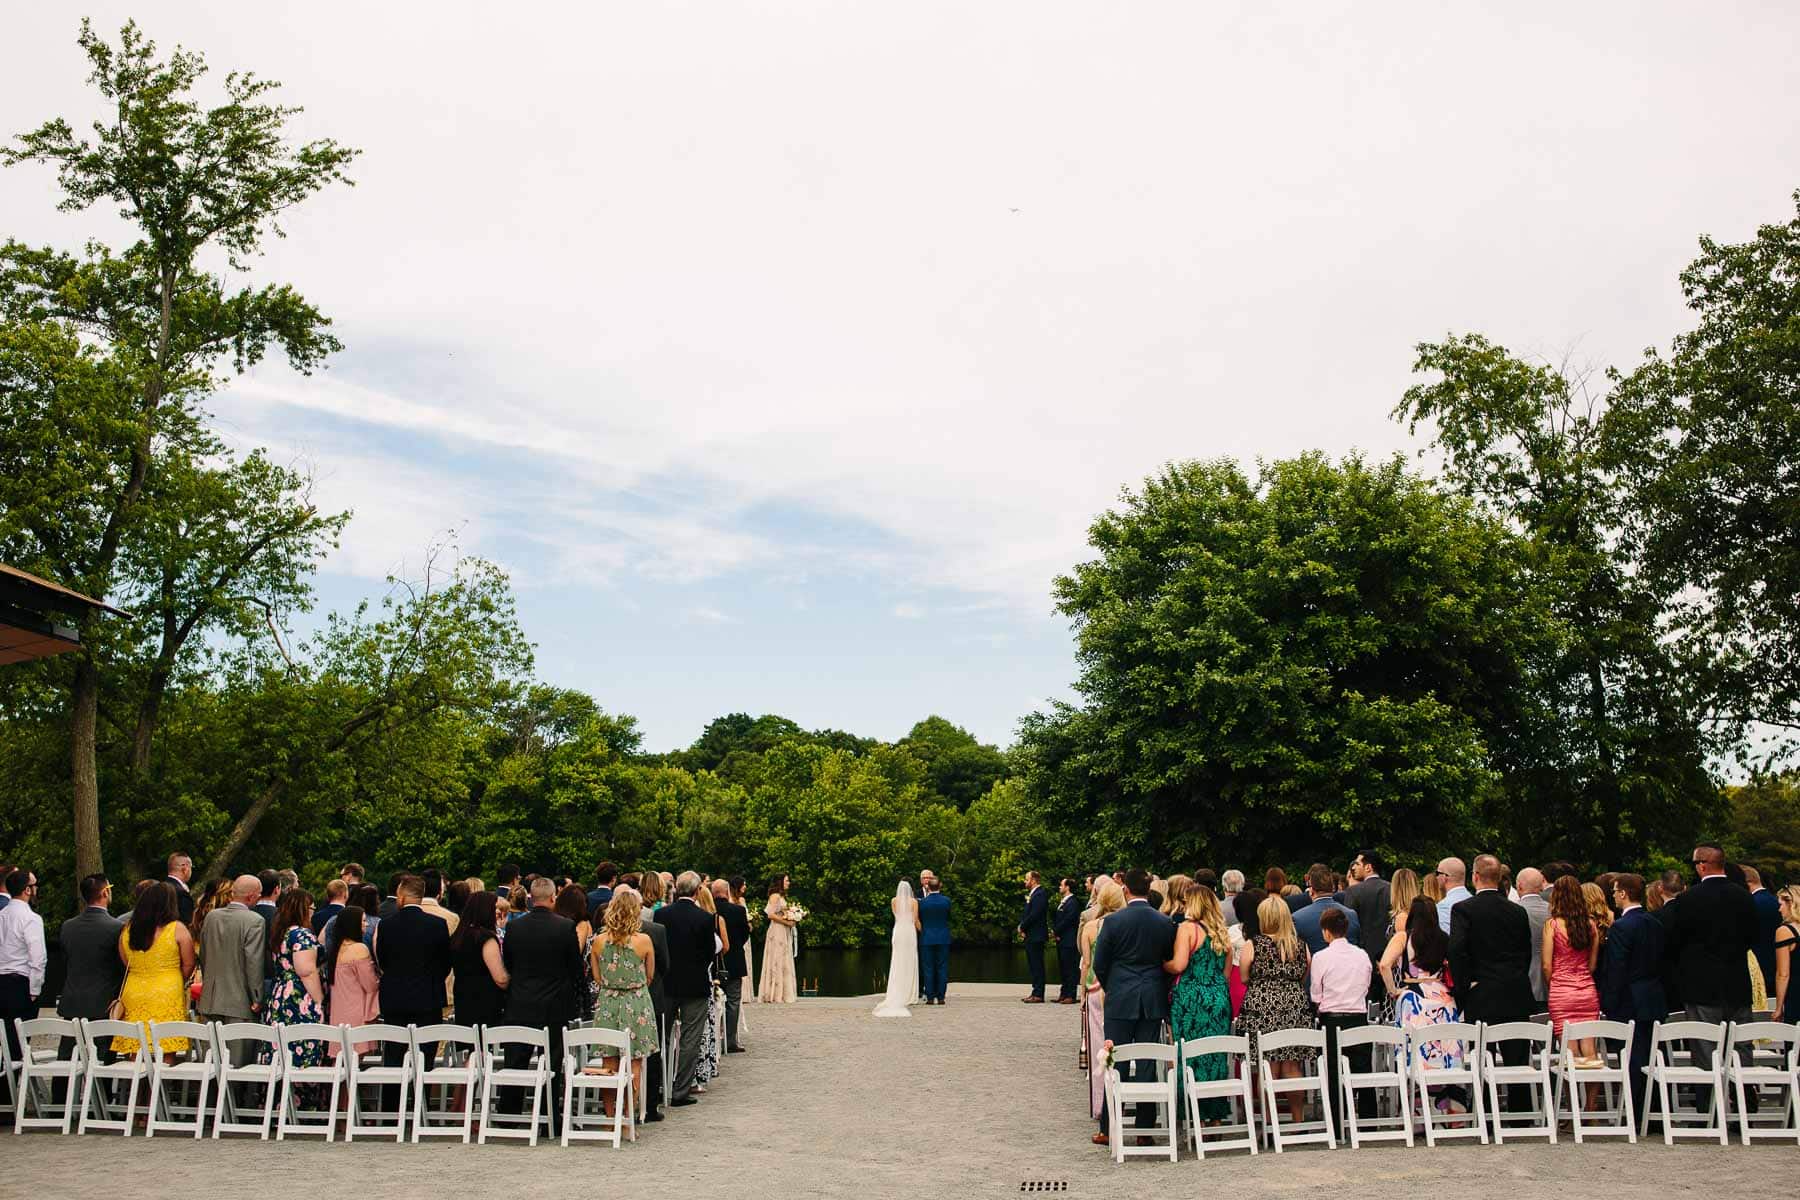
(145, 732)
(85, 708)
(240, 833)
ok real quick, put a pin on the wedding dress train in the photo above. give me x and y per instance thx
(903, 962)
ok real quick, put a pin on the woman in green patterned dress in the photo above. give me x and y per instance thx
(623, 963)
(1201, 1006)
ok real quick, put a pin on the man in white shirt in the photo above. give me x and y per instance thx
(22, 955)
(1454, 874)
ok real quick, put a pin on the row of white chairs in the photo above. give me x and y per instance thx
(1715, 1063)
(205, 1082)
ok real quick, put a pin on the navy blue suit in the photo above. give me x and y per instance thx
(1031, 924)
(934, 944)
(1306, 923)
(1631, 985)
(1133, 945)
(1066, 924)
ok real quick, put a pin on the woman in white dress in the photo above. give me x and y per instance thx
(903, 962)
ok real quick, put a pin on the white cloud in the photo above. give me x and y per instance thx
(708, 616)
(909, 612)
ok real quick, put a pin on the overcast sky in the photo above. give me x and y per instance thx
(784, 351)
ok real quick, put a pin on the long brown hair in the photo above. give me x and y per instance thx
(156, 907)
(1570, 906)
(292, 913)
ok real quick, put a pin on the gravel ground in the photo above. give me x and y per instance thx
(972, 1099)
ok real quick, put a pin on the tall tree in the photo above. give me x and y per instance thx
(145, 331)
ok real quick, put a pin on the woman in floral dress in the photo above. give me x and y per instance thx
(1275, 964)
(1201, 1005)
(778, 984)
(1413, 968)
(296, 991)
(622, 962)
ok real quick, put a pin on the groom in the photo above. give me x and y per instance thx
(934, 939)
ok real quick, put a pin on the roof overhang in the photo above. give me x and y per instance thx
(28, 607)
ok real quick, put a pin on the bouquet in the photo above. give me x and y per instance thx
(1108, 1048)
(794, 913)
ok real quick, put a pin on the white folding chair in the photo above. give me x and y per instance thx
(583, 1050)
(1386, 1075)
(1296, 1133)
(1675, 1060)
(9, 1076)
(1612, 1076)
(496, 1074)
(255, 1072)
(1467, 1040)
(39, 1069)
(370, 1074)
(457, 1070)
(671, 1057)
(330, 1075)
(1159, 1091)
(132, 1072)
(1533, 1075)
(1770, 1051)
(1234, 1088)
(196, 1068)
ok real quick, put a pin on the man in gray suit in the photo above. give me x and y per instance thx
(1531, 898)
(232, 944)
(90, 942)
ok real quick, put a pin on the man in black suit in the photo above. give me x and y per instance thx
(1129, 954)
(1370, 899)
(605, 875)
(691, 932)
(390, 903)
(737, 934)
(1631, 975)
(1066, 925)
(543, 957)
(1711, 929)
(1034, 933)
(181, 871)
(1490, 960)
(413, 952)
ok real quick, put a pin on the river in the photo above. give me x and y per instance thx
(861, 971)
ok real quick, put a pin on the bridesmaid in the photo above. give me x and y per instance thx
(1109, 898)
(778, 984)
(1201, 1005)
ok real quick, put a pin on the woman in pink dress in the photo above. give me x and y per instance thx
(1571, 946)
(355, 989)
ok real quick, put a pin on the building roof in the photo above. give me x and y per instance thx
(27, 630)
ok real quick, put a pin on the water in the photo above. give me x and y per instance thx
(862, 971)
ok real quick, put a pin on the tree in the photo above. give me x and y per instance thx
(1710, 436)
(144, 332)
(1329, 655)
(959, 769)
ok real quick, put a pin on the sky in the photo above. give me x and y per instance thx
(784, 352)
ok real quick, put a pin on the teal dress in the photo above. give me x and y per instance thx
(622, 1000)
(1200, 1008)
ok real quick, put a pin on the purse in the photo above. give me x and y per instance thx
(116, 1010)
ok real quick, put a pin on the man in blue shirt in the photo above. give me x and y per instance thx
(934, 940)
(1453, 874)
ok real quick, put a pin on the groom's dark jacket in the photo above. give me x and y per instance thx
(1133, 945)
(1031, 921)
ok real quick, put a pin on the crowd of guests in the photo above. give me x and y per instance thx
(638, 951)
(1205, 955)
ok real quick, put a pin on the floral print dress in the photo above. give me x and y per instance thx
(1276, 998)
(288, 1002)
(623, 999)
(1201, 1008)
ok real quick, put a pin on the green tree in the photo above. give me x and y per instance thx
(1763, 827)
(144, 333)
(959, 769)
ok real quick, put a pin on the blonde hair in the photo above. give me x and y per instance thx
(1597, 906)
(1176, 889)
(1278, 926)
(1203, 910)
(1790, 893)
(623, 914)
(1402, 891)
(704, 898)
(1109, 897)
(1433, 887)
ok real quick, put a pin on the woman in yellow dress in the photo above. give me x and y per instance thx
(159, 956)
(778, 985)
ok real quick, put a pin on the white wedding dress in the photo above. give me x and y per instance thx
(903, 963)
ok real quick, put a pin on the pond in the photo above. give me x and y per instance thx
(861, 971)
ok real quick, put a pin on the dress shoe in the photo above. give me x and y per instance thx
(1031, 999)
(654, 1114)
(1100, 1139)
(1067, 1000)
(736, 1050)
(682, 1101)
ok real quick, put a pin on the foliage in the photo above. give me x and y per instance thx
(1762, 826)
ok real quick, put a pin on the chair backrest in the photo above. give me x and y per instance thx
(1372, 1035)
(1776, 1033)
(199, 1036)
(468, 1036)
(1580, 1031)
(1688, 1031)
(303, 1032)
(611, 1039)
(1219, 1044)
(1287, 1039)
(98, 1035)
(1516, 1031)
(355, 1034)
(226, 1032)
(493, 1037)
(46, 1027)
(1144, 1052)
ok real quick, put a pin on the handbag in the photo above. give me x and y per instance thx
(116, 1010)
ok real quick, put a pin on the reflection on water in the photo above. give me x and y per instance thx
(862, 971)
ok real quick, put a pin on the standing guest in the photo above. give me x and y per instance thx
(6, 870)
(1672, 886)
(1233, 883)
(1065, 927)
(691, 933)
(1173, 904)
(1321, 886)
(1242, 934)
(211, 896)
(1631, 987)
(1603, 883)
(352, 873)
(431, 901)
(1200, 1006)
(475, 884)
(481, 978)
(1275, 965)
(1341, 973)
(737, 897)
(1653, 896)
(90, 943)
(934, 943)
(1431, 886)
(1537, 910)
(506, 877)
(605, 875)
(1034, 932)
(778, 985)
(571, 902)
(1599, 904)
(1413, 968)
(390, 904)
(456, 897)
(181, 871)
(659, 994)
(233, 954)
(622, 961)
(337, 894)
(1129, 953)
(651, 890)
(271, 899)
(1787, 941)
(413, 954)
(1490, 961)
(545, 971)
(296, 988)
(353, 988)
(158, 955)
(1108, 897)
(1571, 950)
(708, 1067)
(1768, 920)
(1710, 931)
(1371, 899)
(1452, 875)
(736, 965)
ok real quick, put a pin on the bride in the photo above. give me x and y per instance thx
(903, 964)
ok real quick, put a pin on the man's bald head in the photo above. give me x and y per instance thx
(721, 890)
(1530, 881)
(246, 889)
(1488, 871)
(1454, 872)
